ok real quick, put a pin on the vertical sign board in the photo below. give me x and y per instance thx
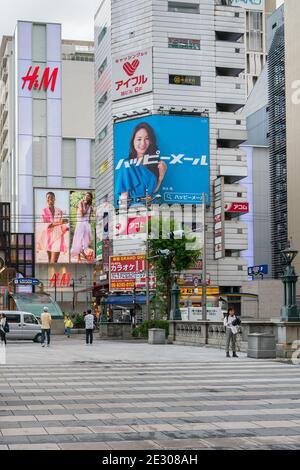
(219, 218)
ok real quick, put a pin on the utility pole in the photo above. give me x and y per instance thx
(73, 286)
(203, 300)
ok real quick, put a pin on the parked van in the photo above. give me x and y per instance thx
(22, 325)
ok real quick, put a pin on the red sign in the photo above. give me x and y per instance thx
(60, 280)
(132, 74)
(129, 272)
(131, 226)
(34, 80)
(240, 207)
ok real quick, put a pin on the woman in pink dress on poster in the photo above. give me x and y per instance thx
(52, 238)
(83, 231)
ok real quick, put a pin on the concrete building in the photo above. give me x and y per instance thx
(257, 14)
(47, 139)
(203, 38)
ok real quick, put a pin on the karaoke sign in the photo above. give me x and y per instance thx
(132, 74)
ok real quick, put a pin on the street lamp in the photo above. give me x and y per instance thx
(289, 311)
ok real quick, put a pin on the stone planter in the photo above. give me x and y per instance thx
(156, 336)
(261, 346)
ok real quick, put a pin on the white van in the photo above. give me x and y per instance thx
(22, 325)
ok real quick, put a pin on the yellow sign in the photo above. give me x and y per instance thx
(191, 290)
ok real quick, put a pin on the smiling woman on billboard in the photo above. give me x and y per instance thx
(139, 175)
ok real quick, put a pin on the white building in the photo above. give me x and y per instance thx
(47, 132)
(203, 39)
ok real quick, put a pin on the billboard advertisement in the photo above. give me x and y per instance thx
(132, 74)
(166, 155)
(82, 227)
(52, 226)
(129, 272)
(249, 4)
(64, 226)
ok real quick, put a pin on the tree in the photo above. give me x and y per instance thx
(167, 268)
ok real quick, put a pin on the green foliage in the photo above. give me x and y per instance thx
(184, 252)
(142, 330)
(79, 321)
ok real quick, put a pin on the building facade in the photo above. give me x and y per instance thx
(47, 145)
(197, 69)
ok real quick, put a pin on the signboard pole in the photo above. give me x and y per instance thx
(203, 300)
(147, 260)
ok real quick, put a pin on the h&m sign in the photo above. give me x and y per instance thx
(36, 79)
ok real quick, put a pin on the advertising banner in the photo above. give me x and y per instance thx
(166, 155)
(64, 226)
(129, 272)
(237, 207)
(82, 227)
(131, 226)
(52, 226)
(132, 74)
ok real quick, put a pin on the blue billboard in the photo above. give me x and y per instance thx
(167, 156)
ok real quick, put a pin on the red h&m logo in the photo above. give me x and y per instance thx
(32, 78)
(60, 280)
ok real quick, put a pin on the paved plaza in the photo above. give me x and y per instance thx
(131, 395)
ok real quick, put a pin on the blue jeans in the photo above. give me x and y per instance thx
(68, 332)
(44, 333)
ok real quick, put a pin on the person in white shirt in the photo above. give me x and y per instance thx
(230, 322)
(46, 326)
(89, 327)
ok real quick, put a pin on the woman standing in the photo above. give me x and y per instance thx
(4, 328)
(231, 322)
(83, 231)
(52, 238)
(137, 175)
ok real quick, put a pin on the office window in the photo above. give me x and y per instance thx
(69, 158)
(102, 34)
(39, 156)
(102, 134)
(39, 49)
(183, 43)
(192, 80)
(183, 7)
(39, 117)
(102, 67)
(102, 100)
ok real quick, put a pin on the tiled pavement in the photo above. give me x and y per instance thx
(169, 404)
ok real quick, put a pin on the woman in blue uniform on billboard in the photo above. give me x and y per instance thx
(137, 175)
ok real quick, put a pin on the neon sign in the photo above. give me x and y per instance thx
(33, 79)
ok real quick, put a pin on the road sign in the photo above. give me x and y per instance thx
(26, 281)
(258, 270)
(196, 281)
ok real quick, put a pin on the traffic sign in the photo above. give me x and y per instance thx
(26, 281)
(258, 270)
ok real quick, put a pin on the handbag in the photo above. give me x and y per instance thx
(6, 327)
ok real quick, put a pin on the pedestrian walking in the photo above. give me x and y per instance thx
(68, 326)
(4, 328)
(231, 321)
(46, 326)
(89, 327)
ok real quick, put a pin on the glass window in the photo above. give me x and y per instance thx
(30, 319)
(14, 318)
(183, 7)
(69, 158)
(39, 118)
(103, 134)
(183, 43)
(102, 100)
(102, 67)
(39, 156)
(39, 49)
(102, 34)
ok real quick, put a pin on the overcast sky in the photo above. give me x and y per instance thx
(76, 16)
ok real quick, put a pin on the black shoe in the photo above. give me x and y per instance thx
(235, 354)
(227, 354)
